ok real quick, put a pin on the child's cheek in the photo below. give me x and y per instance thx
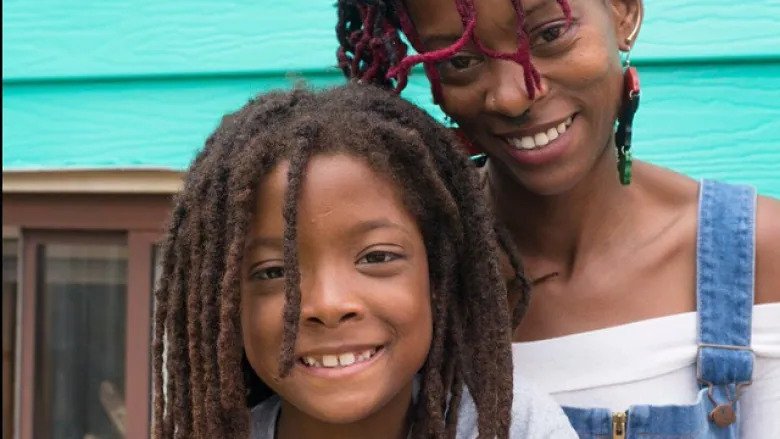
(261, 332)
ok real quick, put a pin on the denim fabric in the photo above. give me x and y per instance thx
(724, 291)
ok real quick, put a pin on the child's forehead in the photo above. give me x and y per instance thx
(331, 182)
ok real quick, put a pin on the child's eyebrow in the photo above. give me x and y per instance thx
(263, 241)
(380, 223)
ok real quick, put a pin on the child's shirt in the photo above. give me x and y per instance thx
(534, 415)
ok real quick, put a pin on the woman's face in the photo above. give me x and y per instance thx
(551, 142)
(365, 323)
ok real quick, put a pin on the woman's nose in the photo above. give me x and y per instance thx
(508, 95)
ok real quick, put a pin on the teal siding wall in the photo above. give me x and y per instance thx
(102, 84)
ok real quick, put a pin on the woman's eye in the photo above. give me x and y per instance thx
(378, 257)
(269, 273)
(550, 33)
(462, 62)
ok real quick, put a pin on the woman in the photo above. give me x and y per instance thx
(538, 87)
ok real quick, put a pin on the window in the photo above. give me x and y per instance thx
(85, 266)
(80, 346)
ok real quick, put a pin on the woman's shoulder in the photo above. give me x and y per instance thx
(767, 250)
(666, 187)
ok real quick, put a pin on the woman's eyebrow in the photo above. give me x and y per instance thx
(439, 39)
(536, 6)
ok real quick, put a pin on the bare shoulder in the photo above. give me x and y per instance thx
(671, 196)
(767, 250)
(667, 184)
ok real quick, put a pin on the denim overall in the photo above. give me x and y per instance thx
(724, 363)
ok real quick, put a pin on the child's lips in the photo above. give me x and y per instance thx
(340, 362)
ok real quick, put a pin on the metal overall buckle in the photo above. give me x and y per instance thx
(724, 413)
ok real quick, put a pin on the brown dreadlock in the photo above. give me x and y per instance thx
(208, 386)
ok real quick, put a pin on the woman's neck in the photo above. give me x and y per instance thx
(389, 422)
(563, 229)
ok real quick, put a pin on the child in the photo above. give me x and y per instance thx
(331, 271)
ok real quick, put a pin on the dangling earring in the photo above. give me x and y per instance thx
(628, 107)
(472, 150)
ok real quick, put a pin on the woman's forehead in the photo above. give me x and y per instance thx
(440, 18)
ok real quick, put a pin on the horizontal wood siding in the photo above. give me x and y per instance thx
(88, 38)
(96, 84)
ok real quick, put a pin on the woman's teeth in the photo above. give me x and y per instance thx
(541, 138)
(340, 360)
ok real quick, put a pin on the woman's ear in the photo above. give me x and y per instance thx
(627, 18)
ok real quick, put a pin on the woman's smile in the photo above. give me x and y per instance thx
(540, 144)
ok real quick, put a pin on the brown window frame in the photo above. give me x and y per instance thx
(135, 219)
(10, 419)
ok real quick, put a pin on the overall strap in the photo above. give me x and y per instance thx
(724, 281)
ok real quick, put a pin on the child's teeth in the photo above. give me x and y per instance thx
(552, 134)
(346, 359)
(330, 360)
(527, 142)
(569, 121)
(311, 361)
(339, 360)
(561, 128)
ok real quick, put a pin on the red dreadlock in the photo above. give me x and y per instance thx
(375, 24)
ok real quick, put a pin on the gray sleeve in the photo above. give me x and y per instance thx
(534, 415)
(263, 419)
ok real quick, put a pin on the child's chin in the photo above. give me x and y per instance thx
(337, 412)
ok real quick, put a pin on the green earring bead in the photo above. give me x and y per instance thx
(624, 167)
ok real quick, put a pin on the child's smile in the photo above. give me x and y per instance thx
(343, 357)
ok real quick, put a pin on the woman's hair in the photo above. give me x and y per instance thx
(203, 384)
(372, 51)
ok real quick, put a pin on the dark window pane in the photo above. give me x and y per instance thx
(80, 346)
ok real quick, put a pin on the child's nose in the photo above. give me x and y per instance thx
(330, 302)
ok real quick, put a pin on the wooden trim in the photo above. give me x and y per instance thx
(94, 181)
(139, 341)
(27, 325)
(12, 424)
(87, 211)
(10, 232)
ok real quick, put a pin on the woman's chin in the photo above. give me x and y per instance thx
(547, 183)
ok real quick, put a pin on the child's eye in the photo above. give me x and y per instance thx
(268, 273)
(378, 257)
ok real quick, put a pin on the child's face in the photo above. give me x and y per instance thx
(365, 324)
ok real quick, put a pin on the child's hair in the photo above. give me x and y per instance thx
(371, 49)
(203, 385)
